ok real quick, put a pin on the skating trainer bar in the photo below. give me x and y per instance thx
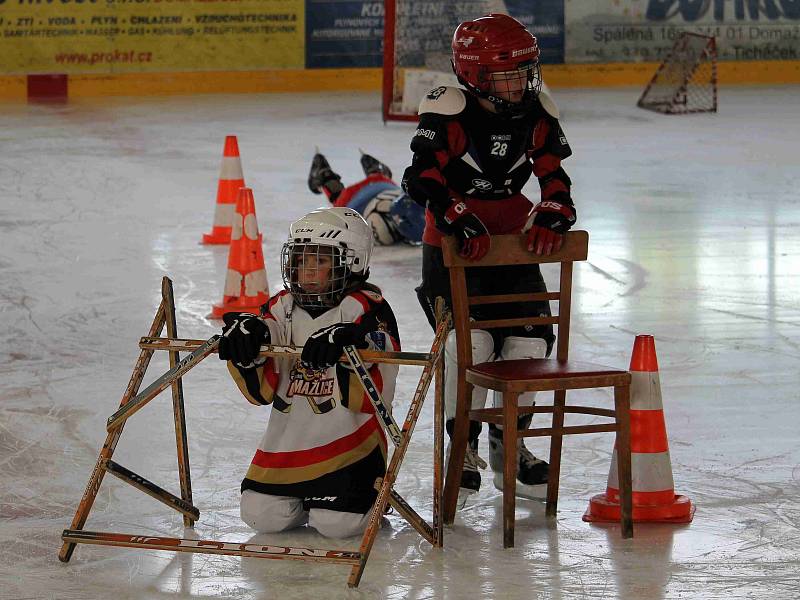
(371, 356)
(210, 547)
(205, 348)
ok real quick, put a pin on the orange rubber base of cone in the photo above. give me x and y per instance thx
(217, 236)
(249, 305)
(601, 510)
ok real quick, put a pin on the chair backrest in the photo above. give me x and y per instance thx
(512, 250)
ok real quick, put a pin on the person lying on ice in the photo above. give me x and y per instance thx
(392, 214)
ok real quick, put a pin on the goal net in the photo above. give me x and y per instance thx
(417, 51)
(686, 82)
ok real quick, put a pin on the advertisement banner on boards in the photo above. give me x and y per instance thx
(344, 33)
(605, 31)
(131, 36)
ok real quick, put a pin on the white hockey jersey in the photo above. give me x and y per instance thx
(322, 436)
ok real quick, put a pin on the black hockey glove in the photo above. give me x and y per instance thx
(242, 337)
(548, 222)
(324, 347)
(469, 230)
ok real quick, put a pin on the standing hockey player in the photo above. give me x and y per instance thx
(474, 149)
(323, 449)
(393, 216)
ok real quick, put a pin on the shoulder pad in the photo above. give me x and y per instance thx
(443, 100)
(547, 102)
(374, 296)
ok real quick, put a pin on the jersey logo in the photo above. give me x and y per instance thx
(436, 93)
(311, 383)
(505, 137)
(426, 133)
(482, 185)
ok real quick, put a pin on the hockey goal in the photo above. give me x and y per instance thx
(417, 51)
(686, 82)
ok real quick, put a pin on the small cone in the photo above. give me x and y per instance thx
(231, 180)
(246, 287)
(654, 497)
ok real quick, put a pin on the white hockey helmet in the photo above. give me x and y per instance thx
(340, 233)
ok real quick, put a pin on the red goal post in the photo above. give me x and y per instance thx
(416, 49)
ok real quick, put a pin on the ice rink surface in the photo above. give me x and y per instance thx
(694, 239)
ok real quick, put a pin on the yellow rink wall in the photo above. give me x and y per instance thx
(14, 87)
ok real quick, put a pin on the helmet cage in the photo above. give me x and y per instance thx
(490, 83)
(294, 258)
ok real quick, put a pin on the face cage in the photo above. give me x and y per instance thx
(494, 82)
(342, 260)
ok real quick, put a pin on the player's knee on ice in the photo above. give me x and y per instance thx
(337, 524)
(270, 514)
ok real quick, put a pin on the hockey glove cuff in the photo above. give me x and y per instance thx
(469, 229)
(241, 340)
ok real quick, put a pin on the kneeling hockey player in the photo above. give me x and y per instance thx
(392, 214)
(323, 448)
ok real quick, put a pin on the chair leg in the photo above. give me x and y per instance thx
(559, 399)
(510, 415)
(458, 447)
(622, 408)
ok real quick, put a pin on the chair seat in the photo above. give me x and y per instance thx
(531, 374)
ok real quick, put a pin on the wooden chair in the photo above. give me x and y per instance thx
(513, 377)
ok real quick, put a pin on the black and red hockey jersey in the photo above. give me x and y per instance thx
(464, 152)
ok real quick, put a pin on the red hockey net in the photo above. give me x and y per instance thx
(686, 82)
(416, 49)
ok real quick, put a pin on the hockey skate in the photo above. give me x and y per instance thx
(321, 175)
(372, 165)
(532, 472)
(470, 475)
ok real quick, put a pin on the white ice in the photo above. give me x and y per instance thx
(694, 239)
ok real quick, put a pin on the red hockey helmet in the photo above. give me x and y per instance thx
(496, 58)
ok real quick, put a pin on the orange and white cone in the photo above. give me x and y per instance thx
(246, 287)
(231, 180)
(654, 497)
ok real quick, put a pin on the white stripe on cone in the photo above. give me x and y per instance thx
(233, 283)
(650, 472)
(223, 214)
(251, 226)
(255, 282)
(231, 168)
(236, 223)
(645, 391)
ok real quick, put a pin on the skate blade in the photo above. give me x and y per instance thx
(531, 492)
(463, 496)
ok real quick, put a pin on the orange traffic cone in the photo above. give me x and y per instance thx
(654, 497)
(230, 180)
(246, 287)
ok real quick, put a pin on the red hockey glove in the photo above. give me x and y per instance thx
(469, 229)
(548, 222)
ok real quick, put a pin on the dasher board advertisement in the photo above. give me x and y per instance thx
(131, 36)
(606, 31)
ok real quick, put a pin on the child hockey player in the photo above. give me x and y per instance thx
(323, 448)
(393, 216)
(474, 149)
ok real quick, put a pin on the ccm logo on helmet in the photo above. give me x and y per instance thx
(428, 133)
(521, 52)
